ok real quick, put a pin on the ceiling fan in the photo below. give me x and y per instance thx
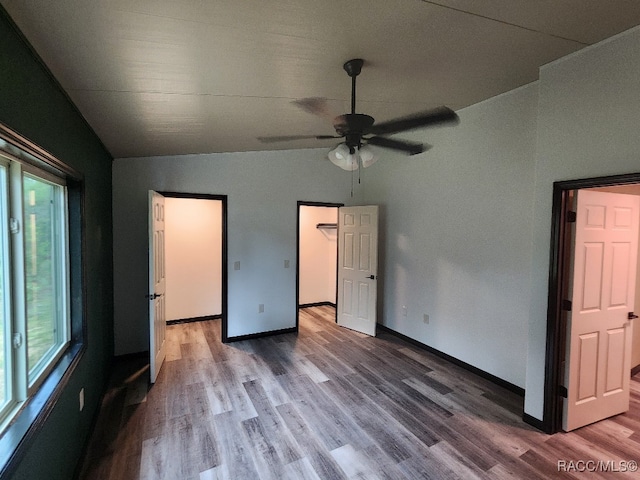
(360, 130)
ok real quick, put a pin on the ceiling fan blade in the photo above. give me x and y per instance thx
(411, 148)
(316, 106)
(437, 116)
(289, 138)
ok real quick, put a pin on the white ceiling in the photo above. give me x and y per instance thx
(164, 77)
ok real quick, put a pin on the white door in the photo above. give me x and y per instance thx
(599, 331)
(357, 268)
(157, 312)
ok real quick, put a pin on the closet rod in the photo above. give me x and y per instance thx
(327, 225)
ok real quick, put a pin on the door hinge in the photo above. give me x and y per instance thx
(562, 391)
(17, 340)
(566, 305)
(571, 216)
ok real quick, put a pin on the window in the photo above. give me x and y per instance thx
(34, 279)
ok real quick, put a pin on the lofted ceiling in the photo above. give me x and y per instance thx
(166, 77)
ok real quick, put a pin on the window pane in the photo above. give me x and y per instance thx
(44, 292)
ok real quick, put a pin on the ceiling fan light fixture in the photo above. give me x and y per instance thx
(341, 157)
(367, 156)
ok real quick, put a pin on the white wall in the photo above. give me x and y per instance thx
(318, 255)
(263, 189)
(588, 118)
(193, 256)
(456, 229)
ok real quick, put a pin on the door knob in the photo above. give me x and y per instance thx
(153, 296)
(372, 277)
(631, 316)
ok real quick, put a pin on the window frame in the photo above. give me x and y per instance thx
(6, 405)
(34, 411)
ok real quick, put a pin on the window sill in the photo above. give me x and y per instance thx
(17, 437)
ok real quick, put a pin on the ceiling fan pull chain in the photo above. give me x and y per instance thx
(351, 183)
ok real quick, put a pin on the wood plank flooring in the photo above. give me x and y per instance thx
(330, 403)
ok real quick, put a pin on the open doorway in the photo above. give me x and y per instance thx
(196, 258)
(193, 259)
(317, 251)
(561, 268)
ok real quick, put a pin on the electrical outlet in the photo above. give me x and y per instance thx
(261, 308)
(286, 264)
(404, 310)
(425, 319)
(236, 265)
(81, 398)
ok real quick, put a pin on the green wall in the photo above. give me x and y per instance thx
(33, 104)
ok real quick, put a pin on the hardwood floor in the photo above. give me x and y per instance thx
(330, 403)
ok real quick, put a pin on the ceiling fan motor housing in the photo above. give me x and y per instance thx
(352, 126)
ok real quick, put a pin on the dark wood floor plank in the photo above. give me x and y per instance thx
(515, 468)
(214, 384)
(329, 364)
(271, 422)
(427, 467)
(269, 463)
(550, 455)
(329, 434)
(389, 354)
(405, 396)
(328, 403)
(380, 464)
(241, 403)
(238, 454)
(212, 335)
(571, 447)
(323, 463)
(265, 351)
(328, 417)
(611, 440)
(126, 461)
(206, 453)
(381, 427)
(391, 401)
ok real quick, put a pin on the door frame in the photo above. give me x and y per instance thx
(302, 203)
(224, 262)
(558, 278)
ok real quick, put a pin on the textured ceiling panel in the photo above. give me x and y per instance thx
(157, 77)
